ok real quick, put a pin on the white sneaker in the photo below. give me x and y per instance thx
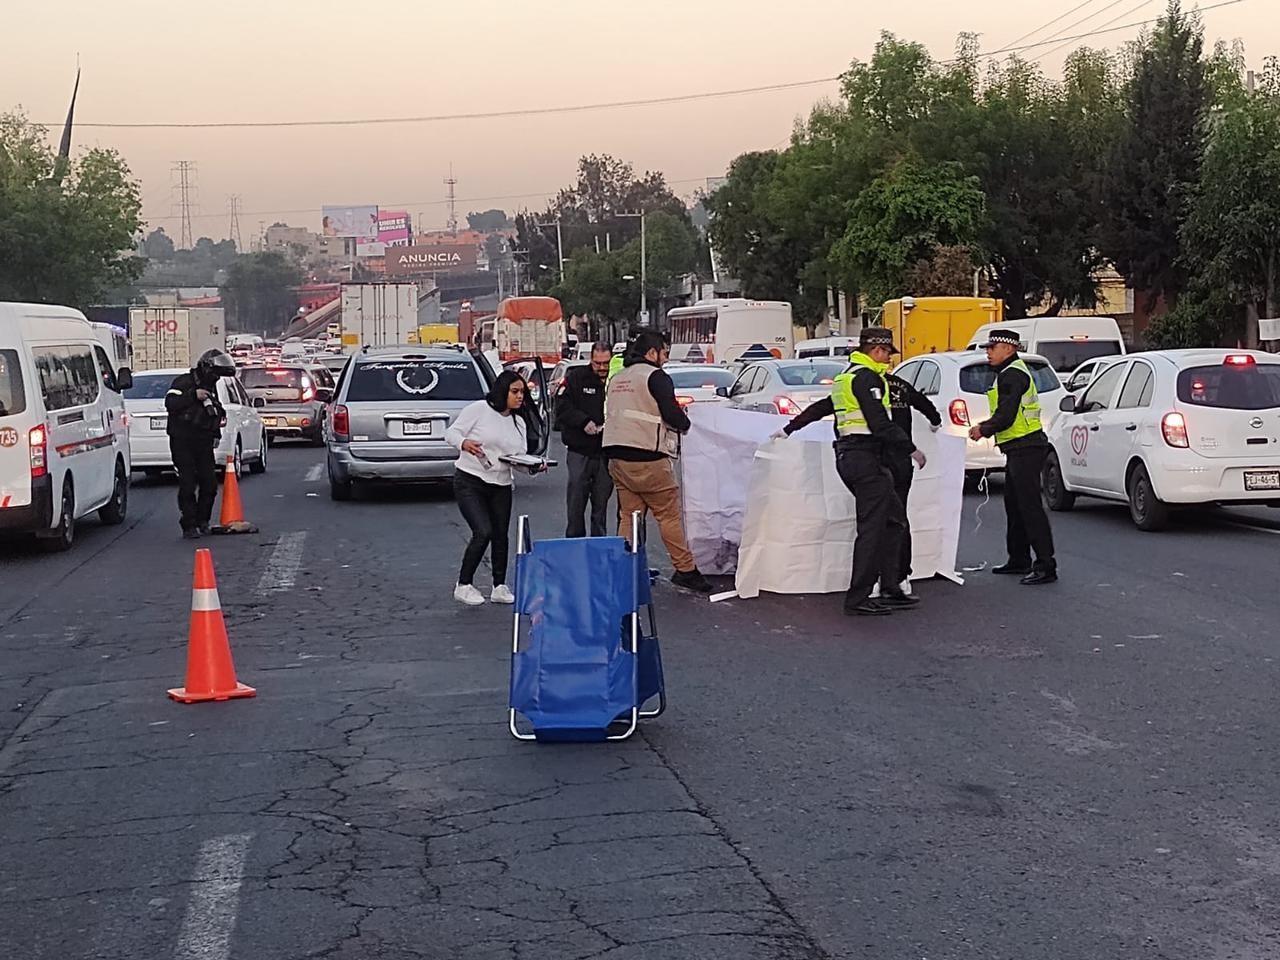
(502, 594)
(466, 593)
(905, 586)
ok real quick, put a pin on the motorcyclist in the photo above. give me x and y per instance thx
(195, 427)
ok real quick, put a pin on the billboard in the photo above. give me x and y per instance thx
(432, 258)
(393, 228)
(359, 222)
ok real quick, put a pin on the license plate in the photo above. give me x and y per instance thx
(270, 422)
(414, 428)
(1262, 479)
(159, 423)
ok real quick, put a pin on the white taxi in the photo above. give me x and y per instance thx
(1171, 427)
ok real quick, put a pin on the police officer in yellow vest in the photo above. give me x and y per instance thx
(866, 438)
(1015, 424)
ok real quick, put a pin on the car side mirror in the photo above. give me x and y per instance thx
(124, 379)
(1067, 404)
(258, 402)
(722, 392)
(324, 395)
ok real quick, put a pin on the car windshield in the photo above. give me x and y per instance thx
(13, 398)
(691, 378)
(149, 387)
(1253, 386)
(1065, 355)
(414, 379)
(814, 374)
(981, 377)
(262, 378)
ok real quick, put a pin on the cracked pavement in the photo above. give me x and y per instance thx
(1087, 772)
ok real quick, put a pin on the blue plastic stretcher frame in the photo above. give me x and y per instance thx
(637, 540)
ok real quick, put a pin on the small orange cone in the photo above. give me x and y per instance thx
(231, 519)
(210, 673)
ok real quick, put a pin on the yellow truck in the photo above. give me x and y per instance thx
(429, 333)
(936, 324)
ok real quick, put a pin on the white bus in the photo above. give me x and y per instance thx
(722, 331)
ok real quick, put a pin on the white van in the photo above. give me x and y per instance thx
(1066, 342)
(64, 442)
(826, 347)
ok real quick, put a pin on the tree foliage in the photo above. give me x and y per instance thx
(258, 292)
(66, 228)
(488, 221)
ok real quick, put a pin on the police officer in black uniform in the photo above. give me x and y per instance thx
(903, 398)
(580, 419)
(195, 427)
(867, 440)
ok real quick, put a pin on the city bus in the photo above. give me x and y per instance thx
(722, 331)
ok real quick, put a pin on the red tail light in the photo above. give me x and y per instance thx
(1174, 428)
(786, 406)
(1239, 360)
(683, 401)
(959, 411)
(340, 421)
(39, 440)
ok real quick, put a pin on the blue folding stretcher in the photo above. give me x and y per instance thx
(585, 669)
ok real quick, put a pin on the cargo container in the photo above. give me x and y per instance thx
(378, 314)
(529, 327)
(164, 337)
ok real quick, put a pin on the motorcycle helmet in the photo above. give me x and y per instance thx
(214, 364)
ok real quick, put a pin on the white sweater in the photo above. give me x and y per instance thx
(499, 436)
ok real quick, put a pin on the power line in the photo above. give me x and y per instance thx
(1129, 12)
(1043, 26)
(1057, 34)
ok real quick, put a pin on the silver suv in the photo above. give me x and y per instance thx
(391, 409)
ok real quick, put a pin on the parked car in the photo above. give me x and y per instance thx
(957, 383)
(782, 386)
(295, 405)
(244, 437)
(1083, 375)
(64, 453)
(698, 382)
(1168, 428)
(391, 412)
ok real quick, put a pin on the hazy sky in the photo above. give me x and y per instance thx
(254, 60)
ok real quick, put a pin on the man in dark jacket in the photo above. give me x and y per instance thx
(867, 440)
(580, 419)
(903, 398)
(1015, 424)
(194, 428)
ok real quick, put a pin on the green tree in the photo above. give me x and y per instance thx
(67, 230)
(902, 216)
(488, 221)
(157, 246)
(944, 272)
(1155, 164)
(259, 294)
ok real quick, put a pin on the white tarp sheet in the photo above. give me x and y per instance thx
(777, 513)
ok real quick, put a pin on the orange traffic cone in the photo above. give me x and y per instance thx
(231, 519)
(210, 673)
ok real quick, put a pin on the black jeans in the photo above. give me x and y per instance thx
(197, 479)
(487, 509)
(1025, 516)
(589, 480)
(882, 520)
(904, 472)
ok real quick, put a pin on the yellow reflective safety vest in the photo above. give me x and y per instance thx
(850, 420)
(615, 364)
(1028, 420)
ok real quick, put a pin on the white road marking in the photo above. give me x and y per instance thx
(1250, 526)
(215, 899)
(283, 564)
(315, 473)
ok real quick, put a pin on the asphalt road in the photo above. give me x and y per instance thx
(1087, 770)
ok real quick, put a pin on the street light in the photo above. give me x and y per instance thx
(644, 268)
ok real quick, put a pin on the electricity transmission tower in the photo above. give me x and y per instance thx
(233, 231)
(184, 195)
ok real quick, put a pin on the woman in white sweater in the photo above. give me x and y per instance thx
(486, 431)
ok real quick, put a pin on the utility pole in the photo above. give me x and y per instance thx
(644, 268)
(184, 191)
(233, 231)
(452, 196)
(559, 243)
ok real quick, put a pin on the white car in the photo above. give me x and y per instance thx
(957, 383)
(784, 387)
(697, 382)
(1171, 427)
(243, 435)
